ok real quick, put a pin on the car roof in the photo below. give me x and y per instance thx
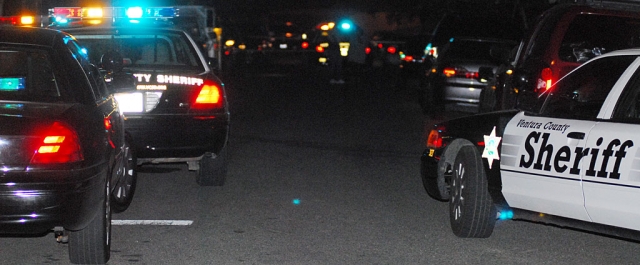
(632, 51)
(29, 35)
(122, 30)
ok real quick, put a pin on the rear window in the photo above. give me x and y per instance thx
(27, 75)
(468, 50)
(157, 51)
(590, 35)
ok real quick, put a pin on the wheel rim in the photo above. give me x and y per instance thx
(125, 183)
(457, 187)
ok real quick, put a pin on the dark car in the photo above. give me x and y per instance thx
(454, 75)
(178, 111)
(562, 38)
(570, 159)
(66, 161)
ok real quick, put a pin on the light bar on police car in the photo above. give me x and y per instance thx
(18, 20)
(78, 16)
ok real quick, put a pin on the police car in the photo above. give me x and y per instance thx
(65, 158)
(179, 111)
(571, 157)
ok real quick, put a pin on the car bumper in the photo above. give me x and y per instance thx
(177, 136)
(429, 172)
(463, 91)
(69, 198)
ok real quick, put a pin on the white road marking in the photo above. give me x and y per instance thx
(152, 222)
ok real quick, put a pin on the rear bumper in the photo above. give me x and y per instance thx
(429, 173)
(36, 202)
(177, 136)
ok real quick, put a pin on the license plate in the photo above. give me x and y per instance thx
(130, 102)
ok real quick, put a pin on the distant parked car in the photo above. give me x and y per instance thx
(454, 75)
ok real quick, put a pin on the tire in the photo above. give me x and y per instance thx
(471, 210)
(125, 188)
(92, 244)
(213, 171)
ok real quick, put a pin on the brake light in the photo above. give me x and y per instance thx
(108, 127)
(60, 144)
(460, 72)
(546, 78)
(434, 140)
(367, 50)
(305, 45)
(319, 49)
(210, 96)
(391, 49)
(449, 72)
(408, 58)
(380, 46)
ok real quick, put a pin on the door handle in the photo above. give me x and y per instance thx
(576, 135)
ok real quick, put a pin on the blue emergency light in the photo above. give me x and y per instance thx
(81, 16)
(12, 83)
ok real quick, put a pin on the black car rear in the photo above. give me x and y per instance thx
(63, 151)
(179, 110)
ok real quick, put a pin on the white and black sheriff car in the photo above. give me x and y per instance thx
(573, 161)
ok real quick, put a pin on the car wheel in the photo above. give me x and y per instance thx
(92, 244)
(126, 186)
(213, 170)
(471, 210)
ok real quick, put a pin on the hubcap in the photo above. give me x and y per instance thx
(125, 182)
(457, 187)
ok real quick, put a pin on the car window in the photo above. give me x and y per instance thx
(590, 35)
(468, 50)
(628, 107)
(27, 75)
(157, 51)
(580, 94)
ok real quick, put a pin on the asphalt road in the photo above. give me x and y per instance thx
(318, 174)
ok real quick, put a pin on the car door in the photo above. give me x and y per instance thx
(543, 154)
(611, 178)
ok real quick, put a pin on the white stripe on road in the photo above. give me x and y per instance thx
(151, 222)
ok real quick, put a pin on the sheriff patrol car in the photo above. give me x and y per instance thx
(571, 157)
(179, 111)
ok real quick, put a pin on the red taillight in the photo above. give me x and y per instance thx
(546, 78)
(449, 72)
(59, 145)
(319, 49)
(408, 58)
(459, 72)
(367, 50)
(380, 46)
(434, 140)
(108, 127)
(304, 45)
(210, 96)
(471, 75)
(391, 49)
